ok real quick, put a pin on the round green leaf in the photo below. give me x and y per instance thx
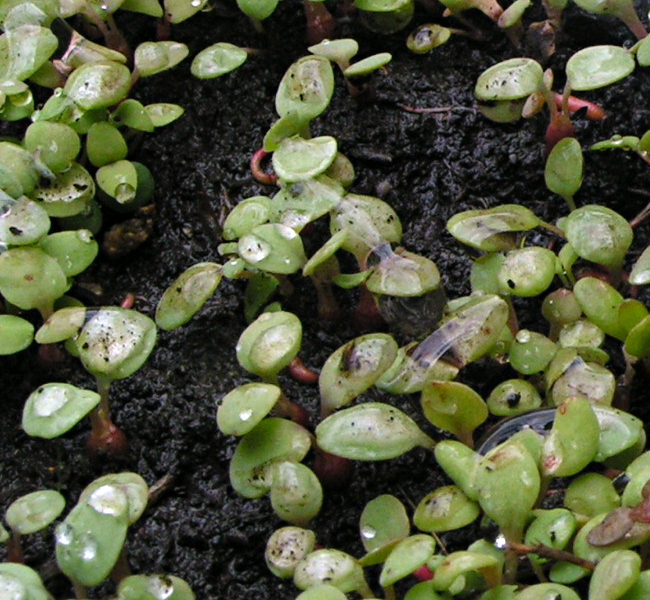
(513, 397)
(445, 509)
(162, 114)
(272, 440)
(69, 194)
(180, 10)
(306, 88)
(368, 65)
(563, 171)
(370, 431)
(270, 343)
(217, 60)
(354, 368)
(614, 575)
(98, 85)
(600, 302)
(296, 493)
(187, 295)
(24, 49)
(102, 490)
(591, 494)
(54, 408)
(597, 66)
(509, 80)
(74, 250)
(330, 566)
(383, 523)
(18, 174)
(286, 547)
(35, 511)
(154, 587)
(16, 334)
(339, 51)
(56, 144)
(244, 407)
(105, 144)
(155, 57)
(257, 9)
(406, 557)
(115, 342)
(299, 159)
(273, 248)
(427, 37)
(30, 278)
(23, 222)
(402, 273)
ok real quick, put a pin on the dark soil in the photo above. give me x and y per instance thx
(428, 167)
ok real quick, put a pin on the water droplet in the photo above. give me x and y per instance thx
(368, 533)
(254, 249)
(195, 3)
(50, 400)
(85, 235)
(160, 587)
(87, 546)
(246, 414)
(108, 500)
(64, 534)
(500, 541)
(523, 337)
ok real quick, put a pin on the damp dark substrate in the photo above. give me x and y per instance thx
(427, 166)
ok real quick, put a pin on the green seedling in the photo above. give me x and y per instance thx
(55, 408)
(428, 37)
(513, 397)
(244, 407)
(386, 16)
(296, 494)
(154, 587)
(454, 407)
(563, 171)
(29, 514)
(285, 549)
(370, 431)
(16, 334)
(334, 567)
(382, 525)
(217, 60)
(552, 528)
(112, 343)
(22, 582)
(151, 58)
(354, 368)
(591, 494)
(445, 509)
(406, 557)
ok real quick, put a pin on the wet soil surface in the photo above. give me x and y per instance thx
(427, 166)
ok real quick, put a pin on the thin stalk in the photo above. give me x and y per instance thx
(80, 590)
(389, 592)
(628, 15)
(105, 436)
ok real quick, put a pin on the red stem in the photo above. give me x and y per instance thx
(594, 112)
(258, 172)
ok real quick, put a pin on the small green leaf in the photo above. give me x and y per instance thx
(24, 49)
(383, 524)
(454, 407)
(553, 528)
(370, 431)
(298, 159)
(333, 567)
(115, 342)
(368, 65)
(16, 334)
(56, 144)
(187, 295)
(546, 591)
(445, 509)
(257, 9)
(406, 557)
(599, 234)
(459, 563)
(105, 144)
(270, 343)
(74, 250)
(591, 494)
(354, 368)
(614, 575)
(573, 441)
(217, 60)
(54, 408)
(35, 511)
(23, 222)
(247, 215)
(270, 441)
(527, 272)
(597, 66)
(69, 194)
(101, 491)
(640, 273)
(306, 88)
(402, 273)
(145, 7)
(98, 85)
(491, 230)
(509, 80)
(296, 493)
(513, 397)
(162, 114)
(244, 407)
(152, 58)
(339, 51)
(273, 248)
(427, 37)
(286, 547)
(563, 171)
(154, 587)
(600, 303)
